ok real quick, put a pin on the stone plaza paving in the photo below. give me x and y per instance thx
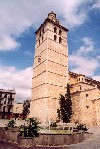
(92, 143)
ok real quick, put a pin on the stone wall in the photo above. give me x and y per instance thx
(76, 109)
(85, 104)
(81, 86)
(9, 135)
(96, 104)
(53, 140)
(43, 139)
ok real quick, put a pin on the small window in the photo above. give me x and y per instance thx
(60, 32)
(0, 95)
(79, 79)
(39, 59)
(82, 79)
(87, 95)
(55, 30)
(40, 33)
(39, 41)
(43, 30)
(55, 37)
(60, 40)
(80, 88)
(42, 38)
(87, 107)
(5, 96)
(9, 109)
(4, 109)
(11, 96)
(5, 101)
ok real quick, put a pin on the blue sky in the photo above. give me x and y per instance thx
(19, 20)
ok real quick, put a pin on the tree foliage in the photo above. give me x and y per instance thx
(29, 130)
(65, 111)
(53, 124)
(81, 127)
(11, 124)
(26, 106)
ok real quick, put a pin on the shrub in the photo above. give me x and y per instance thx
(29, 130)
(81, 127)
(11, 124)
(53, 124)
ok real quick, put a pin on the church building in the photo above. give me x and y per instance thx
(51, 76)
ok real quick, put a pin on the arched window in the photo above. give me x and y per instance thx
(5, 96)
(11, 96)
(40, 33)
(60, 32)
(5, 101)
(43, 30)
(4, 109)
(55, 38)
(39, 41)
(42, 38)
(9, 109)
(60, 40)
(55, 30)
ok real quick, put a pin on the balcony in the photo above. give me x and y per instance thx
(10, 102)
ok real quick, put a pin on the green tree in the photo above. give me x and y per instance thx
(65, 110)
(26, 106)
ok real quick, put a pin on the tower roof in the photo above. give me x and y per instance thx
(52, 18)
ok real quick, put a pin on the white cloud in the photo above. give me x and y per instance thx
(73, 12)
(21, 80)
(17, 16)
(8, 43)
(87, 47)
(81, 62)
(83, 65)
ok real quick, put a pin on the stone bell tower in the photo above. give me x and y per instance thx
(50, 69)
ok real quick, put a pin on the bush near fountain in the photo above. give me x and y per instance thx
(29, 130)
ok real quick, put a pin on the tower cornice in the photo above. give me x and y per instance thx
(55, 23)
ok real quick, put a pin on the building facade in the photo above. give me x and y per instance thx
(50, 69)
(18, 110)
(85, 96)
(7, 98)
(51, 76)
